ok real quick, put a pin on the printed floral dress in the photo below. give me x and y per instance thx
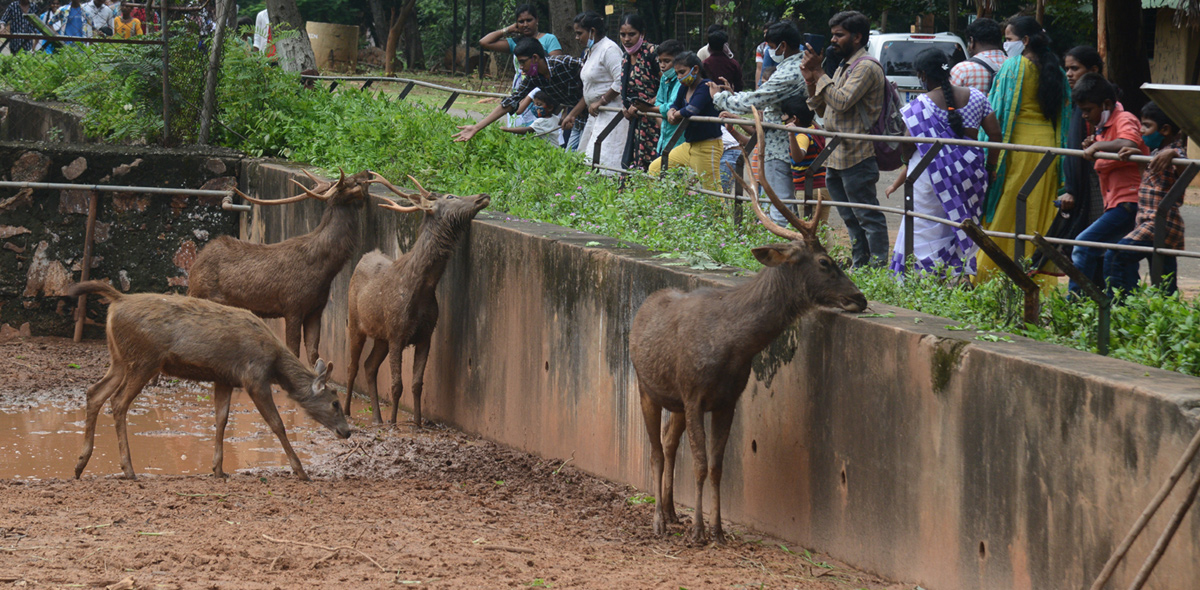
(639, 81)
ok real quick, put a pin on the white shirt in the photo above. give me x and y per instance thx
(98, 17)
(547, 125)
(727, 140)
(262, 28)
(601, 70)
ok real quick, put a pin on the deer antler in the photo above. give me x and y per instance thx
(807, 228)
(424, 193)
(379, 179)
(328, 186)
(306, 195)
(388, 204)
(762, 217)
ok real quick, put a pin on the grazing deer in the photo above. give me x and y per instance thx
(289, 279)
(200, 340)
(395, 303)
(692, 351)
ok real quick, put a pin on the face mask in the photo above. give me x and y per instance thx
(1104, 118)
(777, 53)
(668, 75)
(636, 46)
(690, 78)
(591, 41)
(1014, 48)
(1154, 140)
(537, 111)
(533, 68)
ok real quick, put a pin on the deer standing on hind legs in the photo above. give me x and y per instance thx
(191, 338)
(289, 279)
(395, 302)
(692, 351)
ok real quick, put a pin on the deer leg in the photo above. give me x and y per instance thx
(312, 336)
(379, 351)
(222, 393)
(696, 438)
(396, 363)
(261, 394)
(134, 381)
(357, 340)
(675, 427)
(291, 333)
(96, 396)
(652, 414)
(420, 356)
(722, 420)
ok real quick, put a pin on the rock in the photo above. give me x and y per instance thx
(74, 169)
(31, 167)
(14, 248)
(185, 255)
(123, 277)
(124, 169)
(21, 199)
(222, 183)
(215, 166)
(9, 333)
(201, 234)
(123, 202)
(74, 201)
(78, 266)
(177, 281)
(8, 231)
(45, 275)
(101, 232)
(26, 332)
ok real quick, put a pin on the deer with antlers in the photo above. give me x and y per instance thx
(394, 303)
(289, 279)
(692, 351)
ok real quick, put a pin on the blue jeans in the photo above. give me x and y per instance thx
(576, 132)
(867, 228)
(779, 176)
(1121, 267)
(1110, 227)
(729, 160)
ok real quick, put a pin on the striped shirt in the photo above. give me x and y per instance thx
(561, 84)
(812, 146)
(786, 82)
(1153, 190)
(850, 102)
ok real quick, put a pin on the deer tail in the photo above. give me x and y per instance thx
(99, 287)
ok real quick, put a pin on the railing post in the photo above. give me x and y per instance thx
(1104, 302)
(816, 164)
(1009, 267)
(737, 189)
(1023, 196)
(666, 159)
(909, 188)
(450, 101)
(1160, 221)
(333, 86)
(403, 93)
(604, 134)
(367, 84)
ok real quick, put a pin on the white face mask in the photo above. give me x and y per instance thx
(1014, 48)
(777, 53)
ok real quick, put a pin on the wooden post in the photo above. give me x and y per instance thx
(1102, 33)
(89, 237)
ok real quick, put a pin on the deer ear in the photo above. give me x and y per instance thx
(772, 255)
(322, 368)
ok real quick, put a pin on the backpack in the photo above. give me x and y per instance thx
(987, 66)
(890, 122)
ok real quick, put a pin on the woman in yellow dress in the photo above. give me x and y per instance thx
(1031, 98)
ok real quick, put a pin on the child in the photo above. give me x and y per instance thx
(1162, 135)
(546, 124)
(126, 26)
(804, 149)
(1112, 130)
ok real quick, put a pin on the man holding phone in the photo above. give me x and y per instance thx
(851, 102)
(784, 44)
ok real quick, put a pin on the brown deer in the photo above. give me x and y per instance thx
(289, 279)
(395, 303)
(692, 351)
(191, 338)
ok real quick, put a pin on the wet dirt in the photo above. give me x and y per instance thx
(390, 507)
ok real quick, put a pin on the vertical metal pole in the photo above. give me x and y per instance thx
(166, 72)
(454, 39)
(89, 238)
(1160, 220)
(737, 189)
(482, 32)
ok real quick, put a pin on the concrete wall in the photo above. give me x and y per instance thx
(899, 447)
(28, 120)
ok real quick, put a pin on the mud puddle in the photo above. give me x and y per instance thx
(170, 424)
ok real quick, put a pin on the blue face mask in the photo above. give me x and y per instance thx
(669, 75)
(537, 111)
(690, 78)
(591, 41)
(1154, 140)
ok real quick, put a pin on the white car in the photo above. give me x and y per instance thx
(897, 51)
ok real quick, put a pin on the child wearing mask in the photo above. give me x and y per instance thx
(1164, 137)
(1112, 129)
(546, 123)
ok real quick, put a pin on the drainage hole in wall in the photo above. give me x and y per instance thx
(754, 446)
(982, 550)
(843, 476)
(547, 366)
(469, 362)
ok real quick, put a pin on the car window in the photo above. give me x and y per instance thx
(897, 57)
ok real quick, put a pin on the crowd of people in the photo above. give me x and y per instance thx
(73, 18)
(1013, 89)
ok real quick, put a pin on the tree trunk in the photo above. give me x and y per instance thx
(224, 10)
(952, 26)
(295, 53)
(1127, 64)
(883, 14)
(393, 39)
(379, 20)
(414, 51)
(562, 16)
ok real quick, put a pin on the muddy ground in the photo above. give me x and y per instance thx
(388, 508)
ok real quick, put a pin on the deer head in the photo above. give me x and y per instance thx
(446, 209)
(346, 191)
(802, 258)
(320, 400)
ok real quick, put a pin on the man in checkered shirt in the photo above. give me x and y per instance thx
(557, 76)
(14, 21)
(985, 42)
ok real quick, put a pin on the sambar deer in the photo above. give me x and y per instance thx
(191, 338)
(395, 302)
(692, 351)
(289, 279)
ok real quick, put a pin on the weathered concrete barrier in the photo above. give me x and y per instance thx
(29, 120)
(900, 447)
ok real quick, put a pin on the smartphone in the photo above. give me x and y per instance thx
(816, 41)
